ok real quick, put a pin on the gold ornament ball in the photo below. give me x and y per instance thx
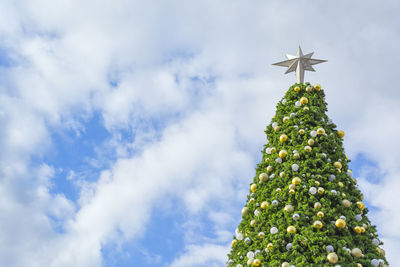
(306, 109)
(320, 131)
(250, 261)
(257, 262)
(277, 128)
(362, 229)
(340, 133)
(273, 150)
(304, 100)
(343, 195)
(296, 89)
(317, 224)
(234, 242)
(288, 208)
(264, 204)
(282, 154)
(359, 265)
(278, 190)
(317, 205)
(357, 229)
(285, 119)
(285, 264)
(340, 223)
(292, 186)
(320, 190)
(307, 148)
(253, 188)
(317, 183)
(317, 87)
(261, 235)
(332, 257)
(340, 184)
(360, 205)
(296, 181)
(311, 142)
(269, 246)
(320, 214)
(346, 203)
(252, 200)
(269, 168)
(302, 132)
(252, 223)
(338, 165)
(292, 191)
(244, 211)
(282, 174)
(283, 138)
(291, 229)
(263, 177)
(309, 88)
(296, 155)
(381, 251)
(356, 252)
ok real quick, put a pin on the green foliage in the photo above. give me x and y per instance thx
(316, 169)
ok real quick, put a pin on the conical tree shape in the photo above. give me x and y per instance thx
(304, 207)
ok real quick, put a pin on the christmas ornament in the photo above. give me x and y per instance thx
(264, 204)
(357, 229)
(269, 169)
(338, 165)
(261, 234)
(317, 87)
(289, 246)
(301, 132)
(250, 255)
(332, 257)
(304, 100)
(263, 177)
(317, 205)
(329, 248)
(375, 262)
(307, 148)
(340, 133)
(340, 223)
(252, 223)
(283, 138)
(320, 190)
(296, 216)
(297, 104)
(234, 242)
(282, 154)
(282, 174)
(356, 252)
(274, 124)
(346, 203)
(320, 131)
(296, 89)
(296, 181)
(291, 229)
(295, 167)
(285, 119)
(239, 236)
(257, 262)
(247, 241)
(360, 205)
(296, 155)
(285, 264)
(309, 88)
(288, 208)
(244, 211)
(320, 214)
(279, 160)
(253, 187)
(310, 142)
(317, 224)
(306, 109)
(273, 230)
(313, 190)
(313, 133)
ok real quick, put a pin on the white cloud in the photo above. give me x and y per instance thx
(203, 70)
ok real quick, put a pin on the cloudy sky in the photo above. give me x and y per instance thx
(130, 130)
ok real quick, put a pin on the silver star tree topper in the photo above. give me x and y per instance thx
(299, 63)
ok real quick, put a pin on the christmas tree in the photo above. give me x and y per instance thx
(304, 207)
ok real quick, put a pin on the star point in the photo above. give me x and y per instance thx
(299, 63)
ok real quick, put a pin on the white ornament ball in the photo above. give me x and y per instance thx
(275, 202)
(289, 246)
(359, 217)
(313, 190)
(284, 101)
(268, 150)
(239, 265)
(375, 241)
(278, 160)
(296, 216)
(256, 212)
(295, 167)
(250, 255)
(329, 248)
(313, 133)
(332, 177)
(375, 262)
(298, 104)
(334, 192)
(274, 230)
(342, 217)
(239, 236)
(274, 124)
(247, 241)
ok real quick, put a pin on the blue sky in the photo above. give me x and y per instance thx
(130, 131)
